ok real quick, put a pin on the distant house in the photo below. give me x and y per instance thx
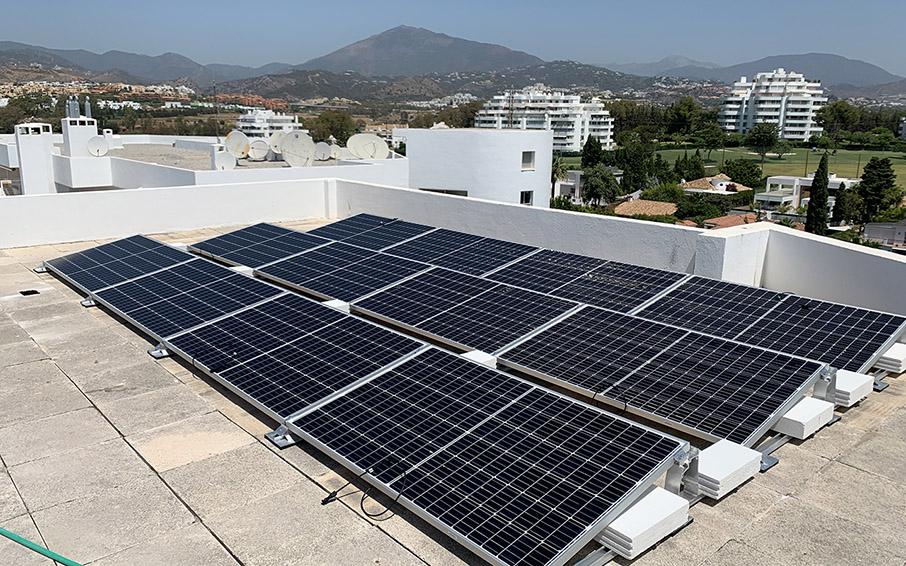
(787, 190)
(571, 186)
(888, 233)
(718, 184)
(731, 220)
(646, 207)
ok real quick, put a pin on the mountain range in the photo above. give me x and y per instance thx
(433, 63)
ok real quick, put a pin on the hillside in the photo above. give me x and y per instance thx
(829, 69)
(658, 68)
(409, 51)
(301, 84)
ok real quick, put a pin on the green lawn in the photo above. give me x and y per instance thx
(844, 164)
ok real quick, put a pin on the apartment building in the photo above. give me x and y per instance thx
(784, 98)
(262, 123)
(540, 108)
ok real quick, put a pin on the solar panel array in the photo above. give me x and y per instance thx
(113, 263)
(524, 476)
(258, 245)
(463, 309)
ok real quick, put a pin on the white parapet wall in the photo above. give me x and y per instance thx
(645, 243)
(69, 217)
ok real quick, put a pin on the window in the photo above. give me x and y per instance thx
(525, 197)
(528, 160)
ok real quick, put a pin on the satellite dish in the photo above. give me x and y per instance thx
(258, 150)
(97, 146)
(276, 142)
(322, 151)
(298, 149)
(335, 151)
(368, 146)
(224, 161)
(237, 144)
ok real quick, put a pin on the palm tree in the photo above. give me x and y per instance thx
(559, 171)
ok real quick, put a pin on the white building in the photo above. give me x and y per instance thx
(262, 123)
(502, 165)
(787, 190)
(783, 98)
(903, 127)
(538, 108)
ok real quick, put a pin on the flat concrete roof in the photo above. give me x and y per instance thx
(109, 457)
(163, 154)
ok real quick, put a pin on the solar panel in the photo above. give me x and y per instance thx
(341, 271)
(296, 374)
(115, 262)
(483, 256)
(387, 235)
(618, 286)
(592, 349)
(464, 309)
(844, 337)
(184, 295)
(316, 262)
(714, 307)
(423, 296)
(238, 239)
(433, 245)
(522, 475)
(546, 270)
(361, 278)
(349, 226)
(495, 318)
(709, 385)
(252, 332)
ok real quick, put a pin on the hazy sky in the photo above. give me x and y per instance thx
(250, 32)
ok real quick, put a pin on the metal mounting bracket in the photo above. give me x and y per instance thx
(682, 476)
(40, 269)
(768, 462)
(281, 437)
(880, 385)
(159, 352)
(88, 302)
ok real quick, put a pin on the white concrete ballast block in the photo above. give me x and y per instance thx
(654, 516)
(805, 418)
(724, 466)
(852, 387)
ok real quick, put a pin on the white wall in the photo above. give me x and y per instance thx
(733, 254)
(485, 162)
(393, 172)
(129, 174)
(828, 269)
(82, 172)
(69, 217)
(634, 241)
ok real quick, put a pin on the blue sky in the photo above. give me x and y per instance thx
(230, 31)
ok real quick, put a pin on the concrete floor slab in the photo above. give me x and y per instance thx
(231, 479)
(78, 474)
(809, 535)
(191, 546)
(310, 533)
(104, 382)
(796, 467)
(54, 435)
(862, 497)
(111, 520)
(13, 554)
(11, 504)
(879, 454)
(154, 409)
(20, 353)
(34, 390)
(190, 440)
(735, 553)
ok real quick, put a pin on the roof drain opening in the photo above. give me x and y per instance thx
(28, 292)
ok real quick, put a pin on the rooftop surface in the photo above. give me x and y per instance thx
(109, 457)
(189, 159)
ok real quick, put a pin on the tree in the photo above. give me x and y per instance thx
(635, 163)
(783, 147)
(664, 193)
(846, 204)
(696, 168)
(742, 171)
(681, 165)
(558, 171)
(712, 137)
(592, 153)
(662, 171)
(599, 185)
(877, 189)
(336, 123)
(762, 138)
(683, 116)
(816, 215)
(836, 117)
